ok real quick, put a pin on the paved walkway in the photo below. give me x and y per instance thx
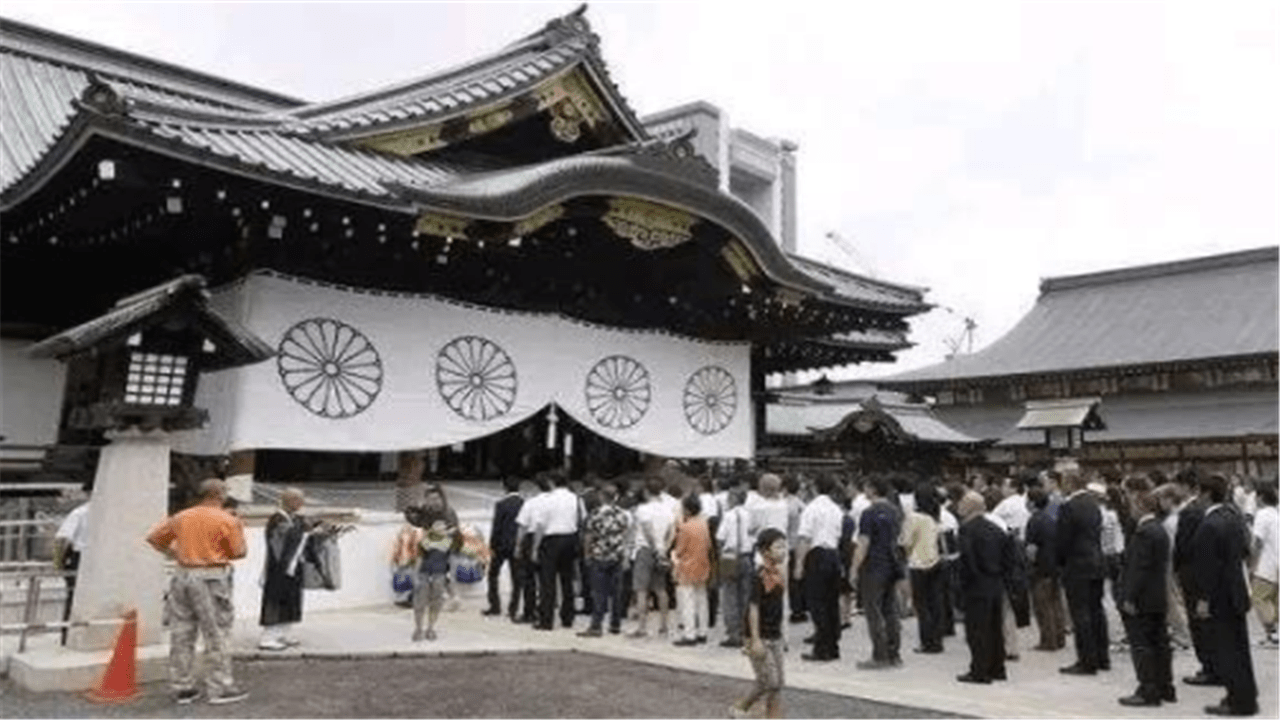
(1035, 688)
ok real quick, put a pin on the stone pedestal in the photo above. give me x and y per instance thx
(119, 570)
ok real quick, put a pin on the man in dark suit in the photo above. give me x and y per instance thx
(1144, 600)
(1218, 553)
(502, 545)
(983, 567)
(1189, 517)
(1079, 551)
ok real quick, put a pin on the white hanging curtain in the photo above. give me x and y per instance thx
(370, 371)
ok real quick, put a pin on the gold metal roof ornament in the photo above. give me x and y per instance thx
(538, 220)
(430, 223)
(647, 225)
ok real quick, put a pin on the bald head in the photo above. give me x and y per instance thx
(970, 505)
(292, 499)
(212, 489)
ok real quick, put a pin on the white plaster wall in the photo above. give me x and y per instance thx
(30, 395)
(365, 565)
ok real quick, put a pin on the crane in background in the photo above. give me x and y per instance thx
(961, 344)
(849, 250)
(962, 341)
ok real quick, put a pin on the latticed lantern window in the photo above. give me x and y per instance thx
(155, 379)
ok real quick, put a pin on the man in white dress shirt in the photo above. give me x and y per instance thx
(527, 552)
(818, 568)
(736, 546)
(557, 542)
(69, 546)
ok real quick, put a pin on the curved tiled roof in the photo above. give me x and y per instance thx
(564, 43)
(57, 93)
(915, 421)
(1211, 307)
(516, 193)
(1204, 415)
(874, 292)
(171, 80)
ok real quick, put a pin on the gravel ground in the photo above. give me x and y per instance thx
(529, 685)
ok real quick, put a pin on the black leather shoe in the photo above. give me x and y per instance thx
(971, 678)
(730, 643)
(1203, 680)
(1223, 708)
(1077, 669)
(1136, 700)
(1169, 695)
(491, 611)
(813, 657)
(683, 642)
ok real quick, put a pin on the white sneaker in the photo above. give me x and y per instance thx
(272, 644)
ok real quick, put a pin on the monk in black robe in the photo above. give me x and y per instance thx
(282, 577)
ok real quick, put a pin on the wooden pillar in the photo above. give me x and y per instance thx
(759, 400)
(240, 468)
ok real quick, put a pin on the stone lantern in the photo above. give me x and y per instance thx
(133, 374)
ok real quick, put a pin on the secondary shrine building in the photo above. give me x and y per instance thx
(500, 264)
(1159, 366)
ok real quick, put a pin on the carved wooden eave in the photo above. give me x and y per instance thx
(568, 99)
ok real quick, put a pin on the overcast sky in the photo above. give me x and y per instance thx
(969, 147)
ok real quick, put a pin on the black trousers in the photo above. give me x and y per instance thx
(1197, 628)
(1152, 658)
(983, 631)
(951, 599)
(1232, 660)
(1084, 602)
(795, 592)
(822, 598)
(70, 562)
(527, 572)
(495, 573)
(928, 595)
(558, 556)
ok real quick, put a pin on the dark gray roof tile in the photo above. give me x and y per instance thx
(1218, 306)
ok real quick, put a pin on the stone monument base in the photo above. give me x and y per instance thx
(61, 669)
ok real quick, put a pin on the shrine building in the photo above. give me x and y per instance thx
(500, 264)
(1159, 366)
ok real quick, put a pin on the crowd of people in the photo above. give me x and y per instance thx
(1186, 559)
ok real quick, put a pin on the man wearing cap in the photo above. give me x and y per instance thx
(1083, 571)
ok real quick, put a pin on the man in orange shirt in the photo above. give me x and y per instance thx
(202, 540)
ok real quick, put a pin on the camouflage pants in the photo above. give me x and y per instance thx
(200, 604)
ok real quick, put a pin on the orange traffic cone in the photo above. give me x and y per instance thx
(120, 681)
